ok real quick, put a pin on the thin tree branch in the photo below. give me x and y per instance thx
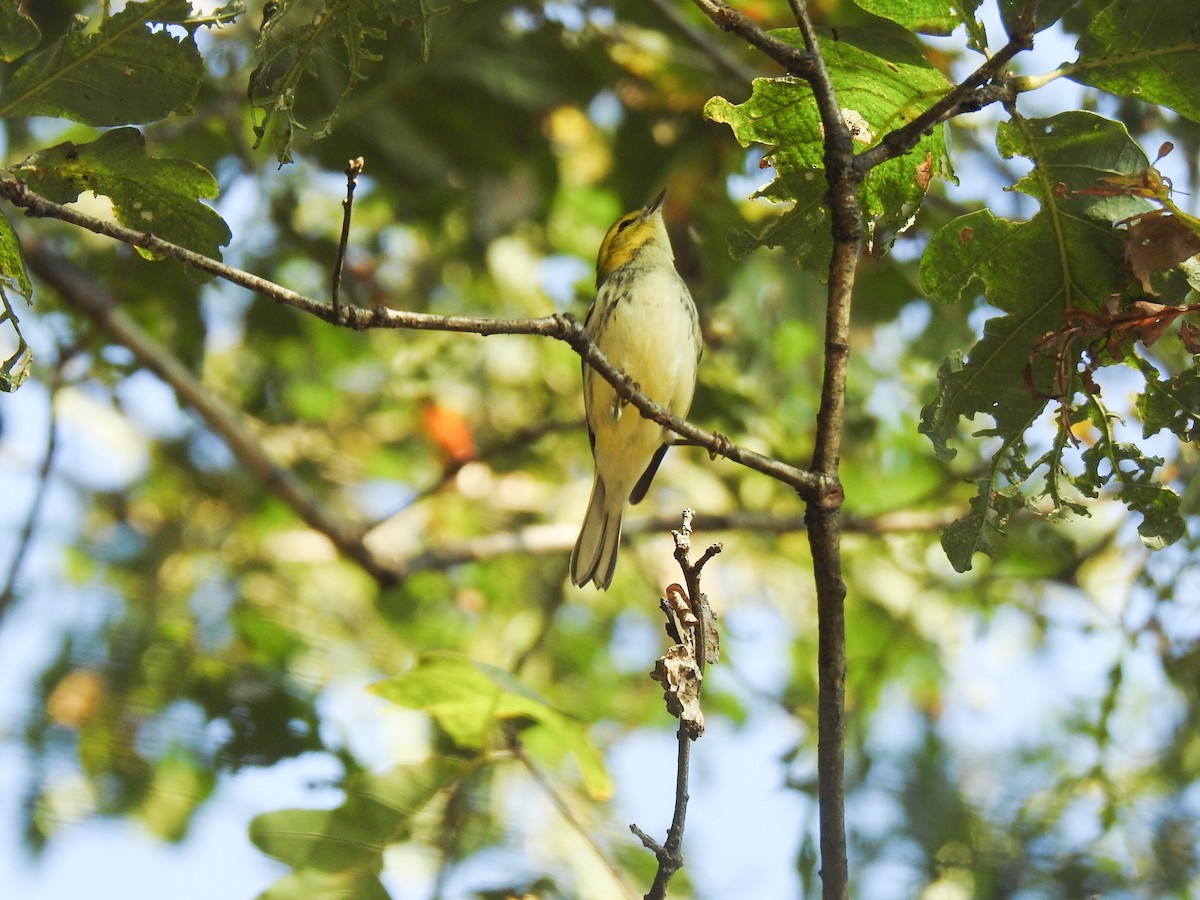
(725, 17)
(564, 810)
(971, 95)
(79, 290)
(701, 39)
(681, 673)
(353, 169)
(24, 539)
(560, 327)
(536, 540)
(670, 853)
(824, 516)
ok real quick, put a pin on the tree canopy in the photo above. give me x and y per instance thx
(291, 342)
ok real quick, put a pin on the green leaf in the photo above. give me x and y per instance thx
(156, 195)
(1148, 49)
(13, 280)
(18, 33)
(988, 518)
(924, 16)
(1067, 257)
(883, 82)
(295, 43)
(803, 230)
(1074, 152)
(1172, 403)
(309, 884)
(468, 698)
(1064, 258)
(13, 277)
(1048, 12)
(378, 811)
(123, 73)
(1125, 464)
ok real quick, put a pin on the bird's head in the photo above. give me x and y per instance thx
(629, 235)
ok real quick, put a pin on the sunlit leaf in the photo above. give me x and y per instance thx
(924, 16)
(468, 698)
(883, 82)
(161, 196)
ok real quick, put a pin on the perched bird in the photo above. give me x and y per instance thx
(643, 319)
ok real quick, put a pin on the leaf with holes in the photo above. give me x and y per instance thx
(883, 82)
(161, 196)
(122, 73)
(1063, 265)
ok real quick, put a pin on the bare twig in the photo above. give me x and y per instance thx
(561, 327)
(681, 673)
(353, 169)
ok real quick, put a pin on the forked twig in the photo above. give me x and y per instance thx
(681, 672)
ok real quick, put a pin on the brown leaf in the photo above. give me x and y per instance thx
(1153, 319)
(1189, 333)
(1156, 244)
(680, 677)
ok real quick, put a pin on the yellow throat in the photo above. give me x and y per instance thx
(630, 235)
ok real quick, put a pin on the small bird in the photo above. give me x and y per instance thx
(643, 319)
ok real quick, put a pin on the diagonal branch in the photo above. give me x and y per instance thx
(561, 327)
(700, 38)
(971, 95)
(725, 17)
(25, 537)
(78, 289)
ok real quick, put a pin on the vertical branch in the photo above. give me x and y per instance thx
(353, 169)
(823, 515)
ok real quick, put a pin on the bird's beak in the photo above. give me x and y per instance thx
(653, 206)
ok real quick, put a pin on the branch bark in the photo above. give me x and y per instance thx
(560, 327)
(555, 538)
(971, 95)
(78, 289)
(824, 516)
(681, 673)
(725, 17)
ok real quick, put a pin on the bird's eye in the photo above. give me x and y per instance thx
(625, 224)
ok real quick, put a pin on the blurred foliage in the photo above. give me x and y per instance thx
(203, 628)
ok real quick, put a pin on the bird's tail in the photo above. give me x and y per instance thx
(595, 554)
